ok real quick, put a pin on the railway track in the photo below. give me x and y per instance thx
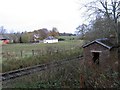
(29, 70)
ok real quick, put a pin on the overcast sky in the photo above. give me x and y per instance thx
(29, 15)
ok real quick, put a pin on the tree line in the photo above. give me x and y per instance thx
(34, 36)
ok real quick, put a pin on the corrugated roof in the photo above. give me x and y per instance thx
(104, 42)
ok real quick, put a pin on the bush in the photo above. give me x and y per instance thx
(61, 39)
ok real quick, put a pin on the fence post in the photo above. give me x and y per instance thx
(33, 52)
(57, 50)
(82, 81)
(21, 53)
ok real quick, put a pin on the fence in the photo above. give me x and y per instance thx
(40, 52)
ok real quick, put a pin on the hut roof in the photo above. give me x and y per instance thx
(104, 42)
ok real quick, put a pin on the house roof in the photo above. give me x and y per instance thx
(104, 42)
(50, 38)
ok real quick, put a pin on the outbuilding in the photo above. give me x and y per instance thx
(100, 53)
(4, 40)
(50, 39)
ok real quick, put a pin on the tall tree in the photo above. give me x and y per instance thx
(25, 37)
(2, 30)
(118, 29)
(101, 28)
(106, 8)
(81, 30)
(54, 32)
(40, 34)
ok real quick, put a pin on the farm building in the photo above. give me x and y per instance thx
(4, 40)
(50, 39)
(100, 53)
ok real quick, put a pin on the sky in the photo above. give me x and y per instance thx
(30, 15)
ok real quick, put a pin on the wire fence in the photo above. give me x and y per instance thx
(40, 52)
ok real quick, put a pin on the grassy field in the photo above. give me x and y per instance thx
(25, 50)
(68, 38)
(43, 53)
(63, 45)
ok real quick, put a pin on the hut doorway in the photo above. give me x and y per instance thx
(96, 57)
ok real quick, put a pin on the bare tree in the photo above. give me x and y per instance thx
(2, 30)
(118, 29)
(81, 30)
(105, 8)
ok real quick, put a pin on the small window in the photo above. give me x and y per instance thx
(96, 57)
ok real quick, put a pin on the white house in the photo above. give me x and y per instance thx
(50, 39)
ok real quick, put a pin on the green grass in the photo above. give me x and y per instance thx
(45, 53)
(14, 50)
(28, 47)
(68, 38)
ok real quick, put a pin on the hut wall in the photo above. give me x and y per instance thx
(104, 55)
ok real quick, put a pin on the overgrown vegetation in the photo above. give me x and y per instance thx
(64, 76)
(105, 78)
